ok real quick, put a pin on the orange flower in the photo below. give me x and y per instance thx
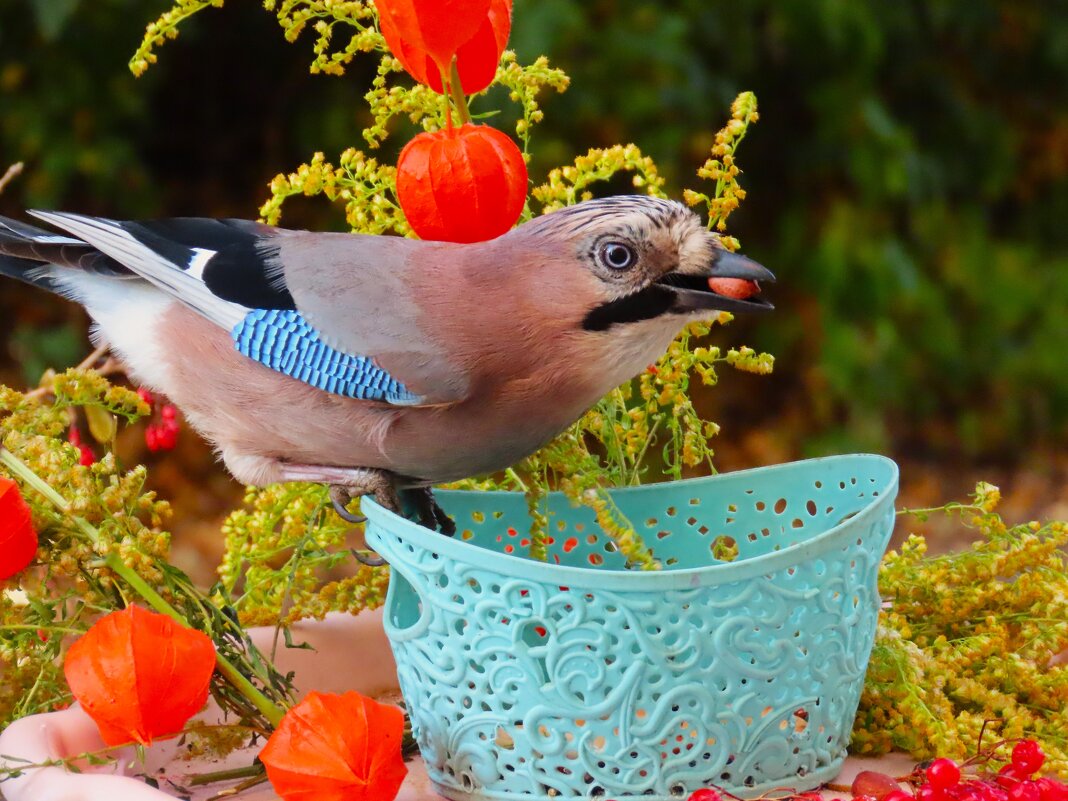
(18, 540)
(140, 675)
(337, 748)
(476, 58)
(464, 185)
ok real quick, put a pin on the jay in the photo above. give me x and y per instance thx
(383, 365)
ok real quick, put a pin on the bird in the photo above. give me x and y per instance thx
(384, 365)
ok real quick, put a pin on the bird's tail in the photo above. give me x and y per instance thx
(27, 270)
(26, 252)
(17, 258)
(50, 261)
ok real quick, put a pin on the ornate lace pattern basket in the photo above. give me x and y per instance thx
(578, 678)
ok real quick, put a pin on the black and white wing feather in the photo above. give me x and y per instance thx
(225, 271)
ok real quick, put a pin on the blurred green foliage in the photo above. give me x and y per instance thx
(77, 123)
(906, 181)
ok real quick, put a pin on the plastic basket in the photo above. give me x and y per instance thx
(578, 678)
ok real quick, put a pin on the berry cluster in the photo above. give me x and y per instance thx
(161, 434)
(942, 780)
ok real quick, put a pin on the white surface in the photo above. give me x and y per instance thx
(352, 653)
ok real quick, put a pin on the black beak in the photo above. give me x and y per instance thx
(693, 292)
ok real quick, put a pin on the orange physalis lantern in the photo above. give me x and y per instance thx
(464, 185)
(18, 540)
(437, 28)
(337, 748)
(476, 59)
(140, 675)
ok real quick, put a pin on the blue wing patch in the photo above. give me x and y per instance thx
(283, 340)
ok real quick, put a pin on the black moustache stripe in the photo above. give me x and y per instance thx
(646, 304)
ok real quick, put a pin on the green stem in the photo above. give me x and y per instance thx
(237, 789)
(21, 470)
(948, 509)
(267, 708)
(226, 775)
(635, 477)
(445, 94)
(456, 89)
(58, 629)
(512, 474)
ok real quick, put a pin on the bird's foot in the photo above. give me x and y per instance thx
(341, 495)
(347, 484)
(421, 501)
(340, 498)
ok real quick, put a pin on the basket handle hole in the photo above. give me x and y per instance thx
(405, 607)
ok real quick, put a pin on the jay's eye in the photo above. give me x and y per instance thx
(617, 256)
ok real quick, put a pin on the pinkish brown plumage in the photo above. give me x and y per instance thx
(460, 359)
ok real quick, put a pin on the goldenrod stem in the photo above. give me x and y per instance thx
(20, 469)
(512, 474)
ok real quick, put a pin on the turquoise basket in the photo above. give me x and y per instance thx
(578, 678)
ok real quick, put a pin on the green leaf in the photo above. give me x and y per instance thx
(288, 635)
(102, 424)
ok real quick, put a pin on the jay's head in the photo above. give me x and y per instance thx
(630, 259)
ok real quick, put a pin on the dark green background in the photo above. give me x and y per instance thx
(906, 182)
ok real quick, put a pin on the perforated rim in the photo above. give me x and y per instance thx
(622, 579)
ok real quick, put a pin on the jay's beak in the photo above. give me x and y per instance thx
(698, 291)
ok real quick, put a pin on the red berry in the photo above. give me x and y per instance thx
(152, 438)
(74, 436)
(1027, 756)
(705, 794)
(1050, 789)
(1025, 791)
(166, 438)
(145, 395)
(898, 795)
(943, 773)
(928, 792)
(987, 791)
(1009, 776)
(87, 456)
(873, 783)
(168, 412)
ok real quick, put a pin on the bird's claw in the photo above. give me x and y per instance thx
(428, 512)
(419, 500)
(341, 497)
(367, 558)
(445, 523)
